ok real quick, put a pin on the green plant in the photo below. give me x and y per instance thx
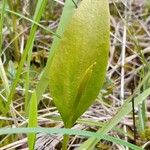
(78, 67)
(32, 120)
(67, 131)
(38, 13)
(13, 6)
(73, 72)
(68, 11)
(122, 112)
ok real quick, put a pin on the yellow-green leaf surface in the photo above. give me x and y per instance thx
(32, 120)
(79, 64)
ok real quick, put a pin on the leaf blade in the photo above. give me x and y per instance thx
(85, 41)
(65, 19)
(32, 120)
(67, 131)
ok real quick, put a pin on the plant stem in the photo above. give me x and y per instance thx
(66, 137)
(134, 125)
(65, 142)
(12, 7)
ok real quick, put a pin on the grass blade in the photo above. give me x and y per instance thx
(1, 23)
(14, 33)
(38, 13)
(30, 20)
(62, 131)
(123, 111)
(40, 8)
(65, 18)
(2, 70)
(32, 120)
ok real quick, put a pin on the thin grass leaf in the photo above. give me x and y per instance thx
(27, 78)
(40, 5)
(2, 106)
(64, 20)
(142, 108)
(4, 78)
(123, 111)
(85, 42)
(62, 131)
(32, 21)
(32, 120)
(14, 33)
(1, 23)
(2, 70)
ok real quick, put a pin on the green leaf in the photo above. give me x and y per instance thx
(68, 11)
(78, 67)
(38, 13)
(32, 120)
(123, 111)
(69, 132)
(1, 23)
